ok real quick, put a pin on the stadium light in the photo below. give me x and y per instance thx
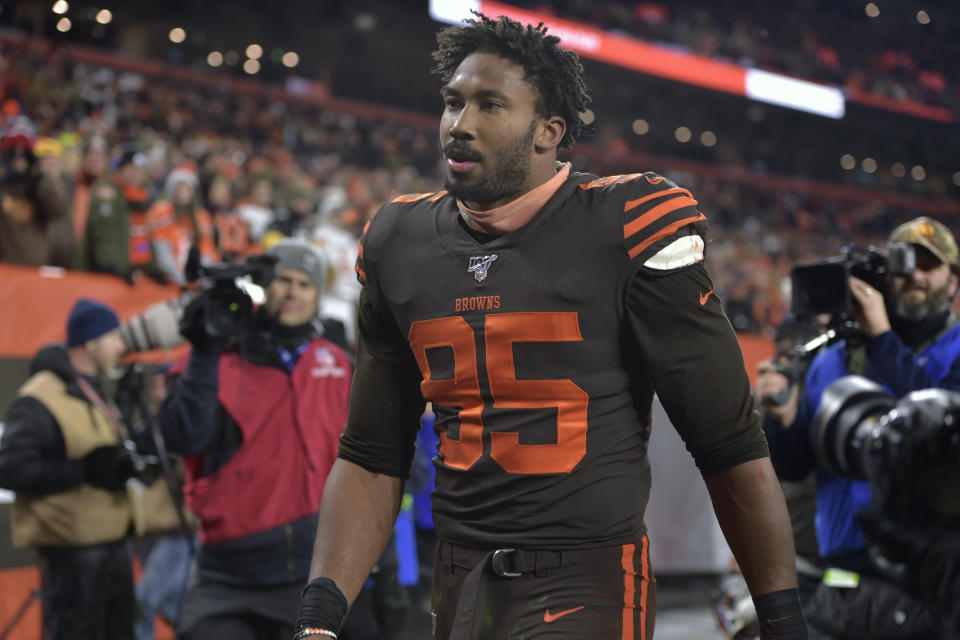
(641, 127)
(923, 17)
(60, 7)
(898, 170)
(708, 138)
(682, 134)
(869, 165)
(64, 24)
(872, 10)
(177, 35)
(251, 66)
(214, 58)
(847, 161)
(918, 173)
(254, 51)
(104, 16)
(588, 116)
(956, 178)
(290, 59)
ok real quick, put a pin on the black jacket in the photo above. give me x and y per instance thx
(32, 450)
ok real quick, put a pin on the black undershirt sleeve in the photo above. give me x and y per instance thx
(385, 400)
(693, 357)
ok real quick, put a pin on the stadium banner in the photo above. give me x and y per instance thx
(662, 61)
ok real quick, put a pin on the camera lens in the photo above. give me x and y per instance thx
(848, 412)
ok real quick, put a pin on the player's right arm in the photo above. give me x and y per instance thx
(363, 491)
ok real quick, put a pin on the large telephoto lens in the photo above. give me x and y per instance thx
(848, 412)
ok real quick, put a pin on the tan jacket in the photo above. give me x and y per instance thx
(84, 514)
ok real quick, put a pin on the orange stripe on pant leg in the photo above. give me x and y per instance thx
(644, 584)
(629, 575)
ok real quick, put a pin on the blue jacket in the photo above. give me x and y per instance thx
(897, 368)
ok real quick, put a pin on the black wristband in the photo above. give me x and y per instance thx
(322, 605)
(780, 615)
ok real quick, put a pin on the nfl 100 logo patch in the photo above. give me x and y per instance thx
(480, 266)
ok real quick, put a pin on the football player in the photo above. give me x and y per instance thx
(539, 310)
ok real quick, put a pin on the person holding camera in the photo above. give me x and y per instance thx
(62, 454)
(258, 417)
(909, 340)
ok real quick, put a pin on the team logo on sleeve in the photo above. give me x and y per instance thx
(480, 266)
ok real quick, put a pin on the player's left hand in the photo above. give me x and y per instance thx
(872, 314)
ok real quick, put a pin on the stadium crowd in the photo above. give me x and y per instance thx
(135, 170)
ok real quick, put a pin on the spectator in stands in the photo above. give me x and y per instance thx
(61, 452)
(179, 222)
(259, 419)
(116, 239)
(231, 231)
(30, 202)
(92, 168)
(292, 220)
(257, 208)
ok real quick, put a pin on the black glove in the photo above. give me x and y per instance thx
(108, 467)
(193, 324)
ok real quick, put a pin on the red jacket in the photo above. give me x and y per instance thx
(290, 424)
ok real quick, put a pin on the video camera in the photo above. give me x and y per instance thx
(227, 303)
(824, 287)
(908, 449)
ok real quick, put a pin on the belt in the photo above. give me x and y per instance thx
(508, 562)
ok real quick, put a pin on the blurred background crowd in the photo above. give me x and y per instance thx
(129, 160)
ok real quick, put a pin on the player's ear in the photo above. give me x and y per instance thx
(550, 132)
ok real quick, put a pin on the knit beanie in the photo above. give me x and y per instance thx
(89, 320)
(303, 256)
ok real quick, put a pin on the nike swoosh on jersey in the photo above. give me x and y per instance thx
(705, 296)
(550, 617)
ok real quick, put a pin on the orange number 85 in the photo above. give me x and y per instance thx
(501, 331)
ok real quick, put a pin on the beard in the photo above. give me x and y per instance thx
(507, 181)
(936, 301)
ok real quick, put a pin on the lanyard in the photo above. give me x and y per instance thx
(290, 358)
(108, 411)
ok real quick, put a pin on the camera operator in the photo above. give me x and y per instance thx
(61, 453)
(259, 418)
(910, 340)
(779, 383)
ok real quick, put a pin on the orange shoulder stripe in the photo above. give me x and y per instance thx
(360, 272)
(359, 249)
(663, 233)
(633, 204)
(603, 182)
(439, 195)
(656, 213)
(412, 197)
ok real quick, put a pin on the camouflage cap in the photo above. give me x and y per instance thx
(931, 235)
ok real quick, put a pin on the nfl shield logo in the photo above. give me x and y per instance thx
(480, 265)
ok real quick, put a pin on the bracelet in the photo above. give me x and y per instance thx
(313, 631)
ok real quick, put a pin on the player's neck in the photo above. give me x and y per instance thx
(516, 213)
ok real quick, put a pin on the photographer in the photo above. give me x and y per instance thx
(61, 453)
(910, 340)
(258, 417)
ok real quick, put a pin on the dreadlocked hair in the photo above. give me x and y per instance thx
(554, 72)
